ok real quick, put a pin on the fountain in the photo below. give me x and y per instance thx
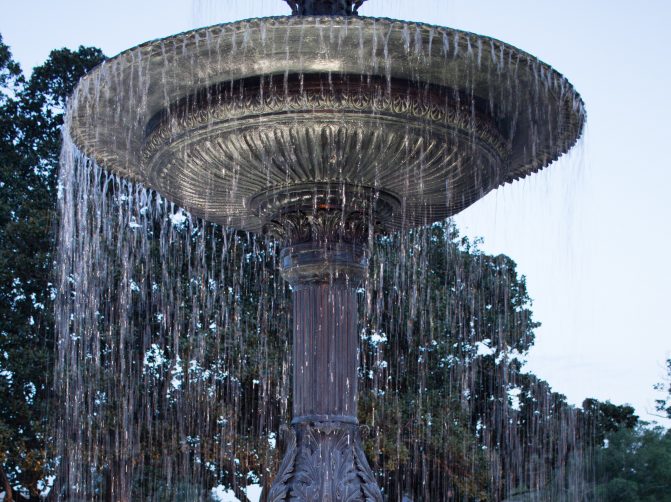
(323, 130)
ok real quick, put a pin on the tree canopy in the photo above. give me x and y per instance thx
(634, 465)
(31, 115)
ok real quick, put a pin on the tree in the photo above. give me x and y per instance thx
(664, 405)
(454, 413)
(634, 465)
(604, 418)
(632, 460)
(31, 115)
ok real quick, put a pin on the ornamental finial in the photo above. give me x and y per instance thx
(325, 7)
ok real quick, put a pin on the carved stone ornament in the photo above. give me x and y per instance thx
(324, 462)
(324, 213)
(238, 141)
(325, 7)
(320, 226)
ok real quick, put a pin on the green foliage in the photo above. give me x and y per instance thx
(635, 465)
(664, 405)
(632, 459)
(31, 115)
(603, 418)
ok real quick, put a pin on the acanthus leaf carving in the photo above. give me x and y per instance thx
(332, 225)
(280, 488)
(369, 485)
(330, 466)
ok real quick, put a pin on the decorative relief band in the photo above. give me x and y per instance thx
(324, 213)
(346, 419)
(323, 225)
(244, 101)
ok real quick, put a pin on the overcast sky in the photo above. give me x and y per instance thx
(592, 233)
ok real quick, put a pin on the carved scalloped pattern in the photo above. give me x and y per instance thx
(108, 120)
(214, 154)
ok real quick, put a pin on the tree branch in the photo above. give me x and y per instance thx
(7, 487)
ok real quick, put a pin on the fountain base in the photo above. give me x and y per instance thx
(324, 461)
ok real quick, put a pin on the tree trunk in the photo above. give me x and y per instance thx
(5, 484)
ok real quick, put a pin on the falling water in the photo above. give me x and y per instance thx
(172, 350)
(174, 368)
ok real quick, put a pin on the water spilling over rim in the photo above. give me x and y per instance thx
(320, 131)
(432, 116)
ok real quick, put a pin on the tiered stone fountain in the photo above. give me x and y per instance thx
(325, 129)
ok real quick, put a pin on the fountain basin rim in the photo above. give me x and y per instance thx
(297, 19)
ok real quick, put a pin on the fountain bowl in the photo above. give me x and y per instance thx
(238, 122)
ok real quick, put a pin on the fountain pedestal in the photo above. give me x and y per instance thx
(324, 459)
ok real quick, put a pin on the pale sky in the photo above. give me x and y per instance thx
(592, 233)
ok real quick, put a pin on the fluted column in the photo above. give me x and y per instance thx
(325, 352)
(324, 460)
